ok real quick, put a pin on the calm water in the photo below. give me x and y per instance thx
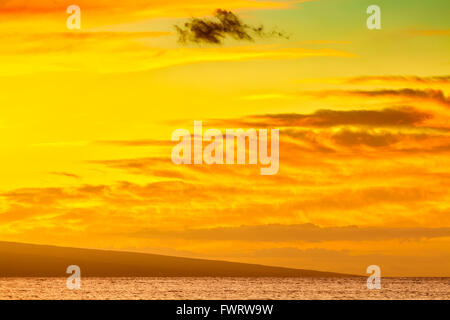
(224, 288)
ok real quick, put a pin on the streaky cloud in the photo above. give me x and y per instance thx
(299, 232)
(403, 79)
(402, 116)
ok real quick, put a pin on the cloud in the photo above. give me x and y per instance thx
(299, 232)
(150, 8)
(427, 94)
(157, 167)
(91, 35)
(432, 95)
(42, 43)
(106, 196)
(389, 117)
(227, 24)
(20, 213)
(138, 143)
(360, 143)
(153, 204)
(399, 79)
(352, 138)
(66, 174)
(436, 96)
(376, 139)
(110, 55)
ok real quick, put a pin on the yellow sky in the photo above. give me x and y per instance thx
(87, 116)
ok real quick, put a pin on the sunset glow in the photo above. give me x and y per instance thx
(364, 143)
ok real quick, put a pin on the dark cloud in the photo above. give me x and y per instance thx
(428, 94)
(405, 116)
(226, 23)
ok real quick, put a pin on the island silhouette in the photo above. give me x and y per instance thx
(29, 260)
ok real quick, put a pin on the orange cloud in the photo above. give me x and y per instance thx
(303, 232)
(132, 7)
(329, 118)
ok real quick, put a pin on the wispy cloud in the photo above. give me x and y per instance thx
(427, 94)
(66, 174)
(137, 143)
(399, 79)
(117, 56)
(136, 8)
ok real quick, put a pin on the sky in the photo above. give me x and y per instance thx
(87, 116)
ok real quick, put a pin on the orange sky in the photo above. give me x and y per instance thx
(87, 117)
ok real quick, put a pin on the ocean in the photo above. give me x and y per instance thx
(224, 288)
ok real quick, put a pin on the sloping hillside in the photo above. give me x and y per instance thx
(26, 260)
